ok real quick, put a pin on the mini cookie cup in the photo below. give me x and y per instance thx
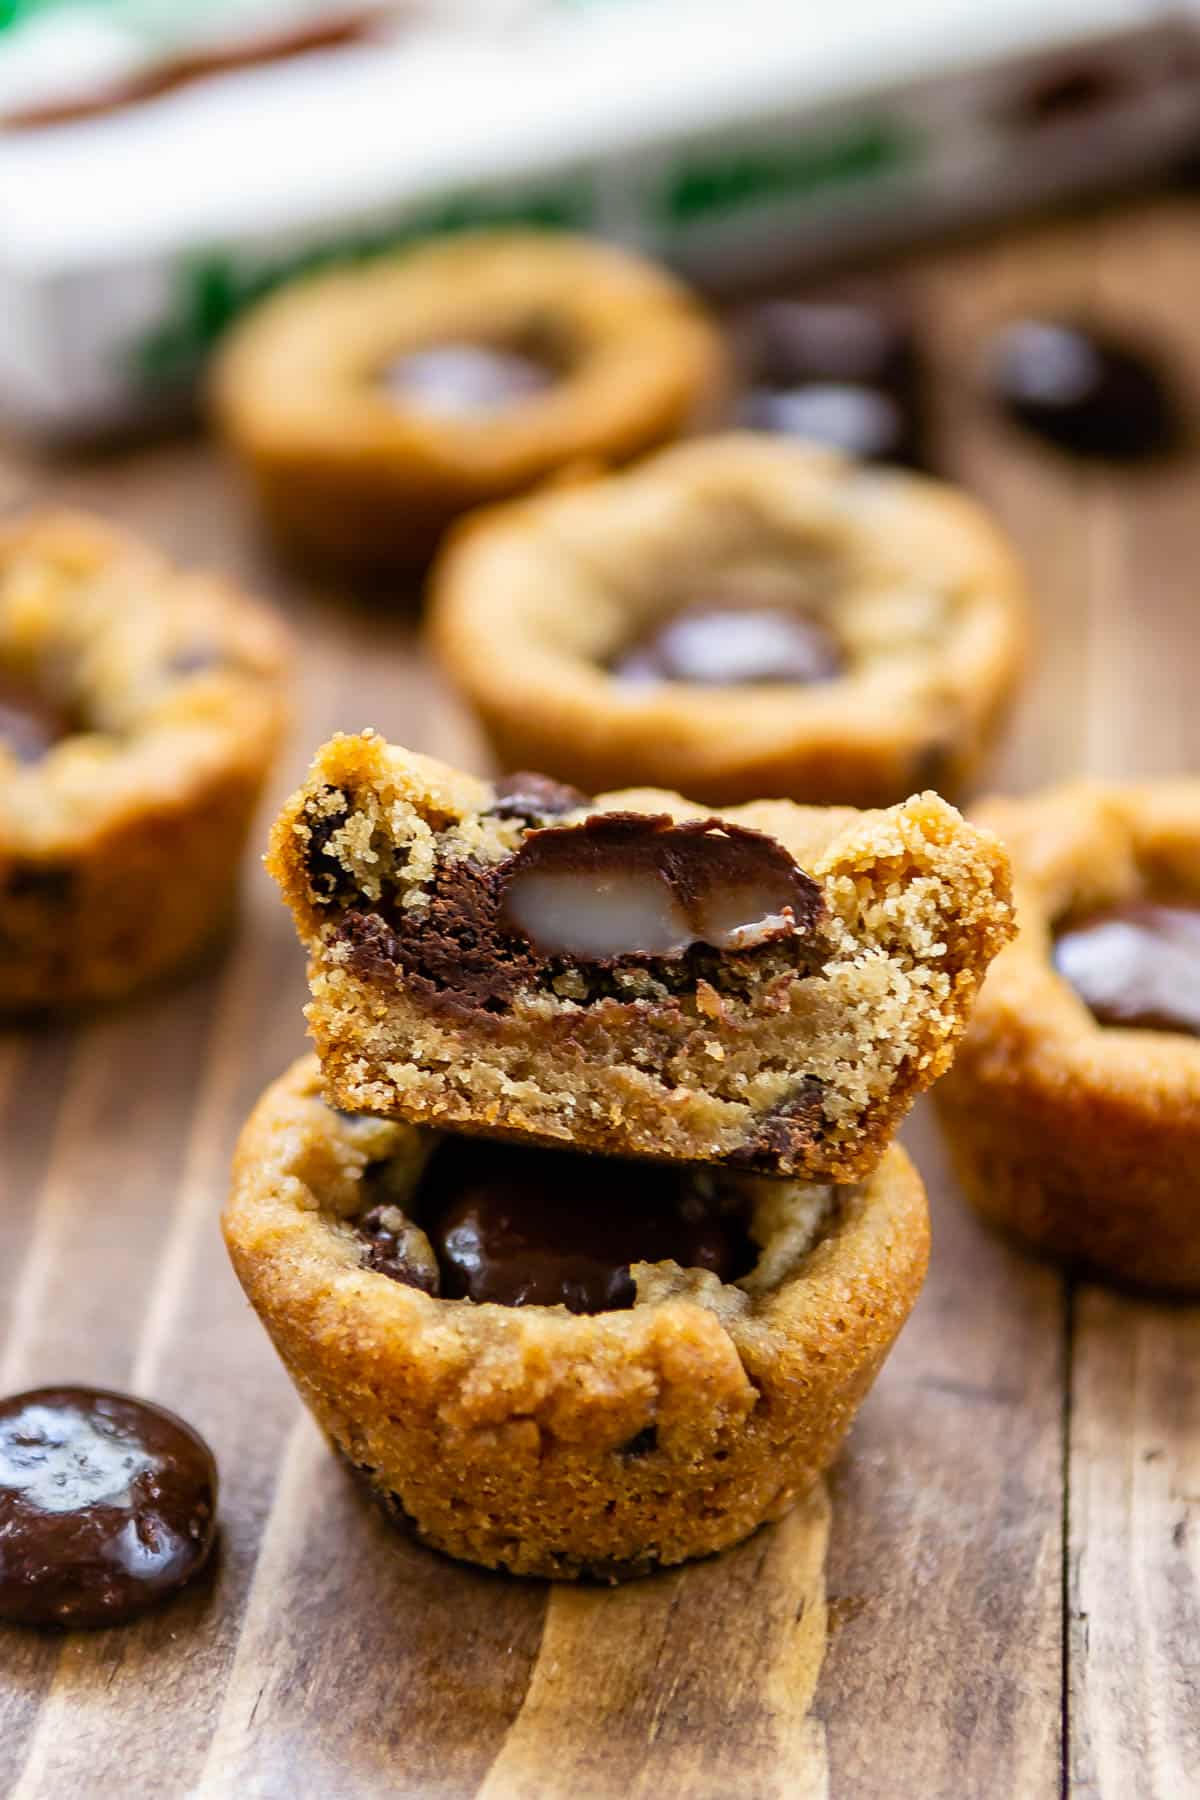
(532, 604)
(350, 469)
(120, 846)
(546, 1443)
(1083, 1139)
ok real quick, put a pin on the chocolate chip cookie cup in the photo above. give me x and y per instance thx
(769, 987)
(548, 1442)
(1073, 1108)
(738, 617)
(140, 708)
(373, 405)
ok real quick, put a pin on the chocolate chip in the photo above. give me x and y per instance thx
(45, 884)
(787, 1134)
(326, 875)
(1137, 966)
(525, 795)
(459, 380)
(643, 1444)
(30, 724)
(636, 884)
(1082, 389)
(107, 1506)
(722, 645)
(399, 1249)
(525, 1227)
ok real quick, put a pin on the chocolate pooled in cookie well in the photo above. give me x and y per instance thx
(532, 1227)
(30, 723)
(107, 1506)
(1136, 965)
(466, 380)
(717, 644)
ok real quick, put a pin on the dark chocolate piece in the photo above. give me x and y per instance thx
(463, 380)
(30, 725)
(1082, 389)
(862, 422)
(638, 884)
(787, 1133)
(1136, 965)
(839, 372)
(107, 1506)
(720, 645)
(525, 795)
(531, 1227)
(791, 342)
(398, 1249)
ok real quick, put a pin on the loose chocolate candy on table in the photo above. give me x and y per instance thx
(1136, 965)
(839, 372)
(397, 1247)
(638, 884)
(528, 1227)
(459, 380)
(1082, 389)
(107, 1506)
(715, 644)
(29, 724)
(794, 341)
(863, 422)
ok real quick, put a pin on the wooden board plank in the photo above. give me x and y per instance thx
(330, 1657)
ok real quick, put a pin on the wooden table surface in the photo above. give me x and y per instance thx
(1004, 1586)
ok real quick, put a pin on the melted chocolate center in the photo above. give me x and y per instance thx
(461, 380)
(29, 724)
(1137, 965)
(636, 884)
(107, 1506)
(528, 1227)
(716, 645)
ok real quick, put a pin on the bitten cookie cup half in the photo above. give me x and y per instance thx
(140, 709)
(534, 1440)
(372, 405)
(1082, 1138)
(767, 988)
(736, 617)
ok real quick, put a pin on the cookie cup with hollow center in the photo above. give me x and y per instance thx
(352, 466)
(534, 604)
(542, 1442)
(1081, 1138)
(120, 844)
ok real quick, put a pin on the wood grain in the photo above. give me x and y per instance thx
(1013, 1552)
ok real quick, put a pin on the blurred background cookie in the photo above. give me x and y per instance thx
(374, 405)
(140, 709)
(738, 617)
(1073, 1110)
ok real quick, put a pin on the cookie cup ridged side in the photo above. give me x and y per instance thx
(120, 849)
(551, 1444)
(1082, 1139)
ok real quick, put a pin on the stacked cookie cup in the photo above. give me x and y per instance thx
(583, 1235)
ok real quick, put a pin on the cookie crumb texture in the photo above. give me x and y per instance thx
(1083, 1139)
(796, 1053)
(551, 1444)
(121, 832)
